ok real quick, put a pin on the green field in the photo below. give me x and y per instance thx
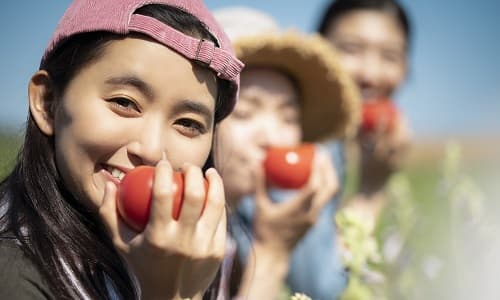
(454, 224)
(9, 147)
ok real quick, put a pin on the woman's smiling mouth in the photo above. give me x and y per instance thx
(114, 173)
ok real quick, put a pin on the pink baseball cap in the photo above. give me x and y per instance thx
(117, 16)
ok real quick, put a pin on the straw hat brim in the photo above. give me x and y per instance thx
(330, 102)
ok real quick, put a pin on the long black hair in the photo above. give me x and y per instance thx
(338, 8)
(55, 231)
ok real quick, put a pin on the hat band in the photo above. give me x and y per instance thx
(222, 62)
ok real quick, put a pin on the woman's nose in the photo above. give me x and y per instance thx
(147, 146)
(269, 132)
(370, 71)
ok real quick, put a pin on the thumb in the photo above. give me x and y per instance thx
(109, 214)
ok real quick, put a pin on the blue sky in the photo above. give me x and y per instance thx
(453, 88)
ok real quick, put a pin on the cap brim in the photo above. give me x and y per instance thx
(330, 101)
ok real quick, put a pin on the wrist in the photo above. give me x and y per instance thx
(270, 258)
(264, 273)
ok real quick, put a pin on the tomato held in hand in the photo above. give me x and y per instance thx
(379, 114)
(136, 192)
(289, 167)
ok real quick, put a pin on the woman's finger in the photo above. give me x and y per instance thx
(194, 195)
(220, 236)
(109, 215)
(328, 182)
(301, 203)
(215, 201)
(163, 195)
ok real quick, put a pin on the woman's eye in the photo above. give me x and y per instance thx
(350, 48)
(242, 114)
(392, 56)
(190, 127)
(124, 105)
(291, 118)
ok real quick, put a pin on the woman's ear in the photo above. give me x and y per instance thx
(41, 100)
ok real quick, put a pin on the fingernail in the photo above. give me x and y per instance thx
(209, 171)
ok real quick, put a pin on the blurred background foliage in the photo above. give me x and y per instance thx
(438, 236)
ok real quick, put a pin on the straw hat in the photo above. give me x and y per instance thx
(330, 102)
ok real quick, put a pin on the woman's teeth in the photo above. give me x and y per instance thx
(117, 174)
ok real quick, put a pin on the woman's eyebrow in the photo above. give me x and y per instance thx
(194, 107)
(133, 81)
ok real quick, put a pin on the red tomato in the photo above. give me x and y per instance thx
(135, 195)
(289, 167)
(380, 112)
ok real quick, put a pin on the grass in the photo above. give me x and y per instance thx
(9, 147)
(446, 210)
(452, 207)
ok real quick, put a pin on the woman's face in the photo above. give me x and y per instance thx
(372, 48)
(267, 114)
(137, 102)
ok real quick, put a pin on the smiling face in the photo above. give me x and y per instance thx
(372, 47)
(135, 102)
(267, 114)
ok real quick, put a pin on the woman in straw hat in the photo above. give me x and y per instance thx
(123, 83)
(292, 91)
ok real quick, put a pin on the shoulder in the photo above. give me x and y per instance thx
(19, 277)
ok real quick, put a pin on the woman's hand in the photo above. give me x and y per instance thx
(384, 151)
(173, 259)
(280, 226)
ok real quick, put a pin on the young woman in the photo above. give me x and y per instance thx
(121, 84)
(372, 39)
(292, 91)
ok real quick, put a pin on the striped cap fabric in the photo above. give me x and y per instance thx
(117, 16)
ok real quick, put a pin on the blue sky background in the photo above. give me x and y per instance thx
(453, 89)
